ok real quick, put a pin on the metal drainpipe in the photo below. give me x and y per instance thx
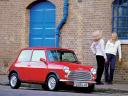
(63, 21)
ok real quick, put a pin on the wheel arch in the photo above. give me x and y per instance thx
(52, 73)
(13, 71)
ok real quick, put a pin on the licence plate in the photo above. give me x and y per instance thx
(80, 84)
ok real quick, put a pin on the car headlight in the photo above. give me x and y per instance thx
(93, 71)
(66, 69)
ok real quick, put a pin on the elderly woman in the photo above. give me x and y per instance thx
(112, 47)
(97, 48)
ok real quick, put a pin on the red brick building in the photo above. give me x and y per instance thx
(84, 17)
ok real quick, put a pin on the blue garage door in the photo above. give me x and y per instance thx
(42, 25)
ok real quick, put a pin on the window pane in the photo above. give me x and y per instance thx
(60, 55)
(114, 30)
(115, 8)
(122, 33)
(120, 11)
(25, 56)
(126, 11)
(115, 22)
(68, 57)
(123, 22)
(37, 54)
(53, 55)
(120, 22)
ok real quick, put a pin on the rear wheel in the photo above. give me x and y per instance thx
(14, 82)
(52, 83)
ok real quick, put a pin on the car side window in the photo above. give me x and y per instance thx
(25, 56)
(37, 54)
(68, 57)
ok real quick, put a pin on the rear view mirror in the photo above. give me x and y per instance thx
(43, 60)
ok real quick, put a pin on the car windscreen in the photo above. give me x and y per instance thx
(61, 56)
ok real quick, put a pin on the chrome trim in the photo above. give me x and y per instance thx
(80, 76)
(64, 80)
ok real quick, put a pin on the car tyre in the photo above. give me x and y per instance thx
(91, 88)
(14, 81)
(52, 83)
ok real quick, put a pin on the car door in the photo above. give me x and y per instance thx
(23, 63)
(38, 69)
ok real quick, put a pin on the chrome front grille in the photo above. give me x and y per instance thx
(80, 76)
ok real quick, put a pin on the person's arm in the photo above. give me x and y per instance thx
(93, 48)
(103, 49)
(107, 45)
(119, 51)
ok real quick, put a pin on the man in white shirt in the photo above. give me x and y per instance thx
(97, 48)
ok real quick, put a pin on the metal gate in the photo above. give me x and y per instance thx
(42, 25)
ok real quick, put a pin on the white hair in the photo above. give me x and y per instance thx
(115, 34)
(97, 34)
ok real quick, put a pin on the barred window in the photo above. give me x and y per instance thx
(120, 18)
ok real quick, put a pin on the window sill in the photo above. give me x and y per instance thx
(124, 41)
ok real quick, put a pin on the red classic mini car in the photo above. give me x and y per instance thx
(50, 67)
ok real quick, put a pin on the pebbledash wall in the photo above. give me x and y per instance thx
(85, 16)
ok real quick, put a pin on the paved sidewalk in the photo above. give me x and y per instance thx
(115, 87)
(4, 80)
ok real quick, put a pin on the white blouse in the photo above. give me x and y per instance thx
(98, 48)
(113, 48)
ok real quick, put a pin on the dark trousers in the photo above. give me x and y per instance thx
(110, 67)
(100, 67)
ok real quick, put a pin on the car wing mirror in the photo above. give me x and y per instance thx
(42, 60)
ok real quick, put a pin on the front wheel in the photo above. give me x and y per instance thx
(14, 82)
(91, 88)
(52, 83)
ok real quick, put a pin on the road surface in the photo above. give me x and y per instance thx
(26, 91)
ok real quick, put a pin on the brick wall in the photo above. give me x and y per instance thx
(14, 28)
(12, 21)
(121, 72)
(84, 18)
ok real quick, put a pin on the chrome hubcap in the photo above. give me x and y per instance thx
(13, 81)
(51, 83)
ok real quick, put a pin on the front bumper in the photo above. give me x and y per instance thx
(64, 80)
(73, 83)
